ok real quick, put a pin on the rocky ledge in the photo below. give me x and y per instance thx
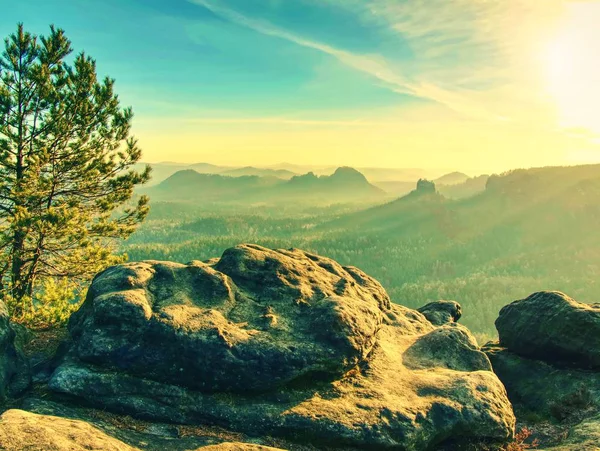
(281, 343)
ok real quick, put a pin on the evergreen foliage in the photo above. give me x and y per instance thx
(66, 154)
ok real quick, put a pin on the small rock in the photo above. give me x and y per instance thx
(442, 312)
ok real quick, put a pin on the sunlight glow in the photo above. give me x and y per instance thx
(573, 67)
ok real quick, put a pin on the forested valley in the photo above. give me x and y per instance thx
(528, 230)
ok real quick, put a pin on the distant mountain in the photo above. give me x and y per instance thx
(397, 174)
(515, 208)
(416, 207)
(454, 185)
(208, 168)
(345, 185)
(396, 189)
(453, 178)
(302, 168)
(374, 175)
(261, 172)
(190, 186)
(164, 170)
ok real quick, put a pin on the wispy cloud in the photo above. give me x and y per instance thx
(439, 30)
(372, 65)
(478, 58)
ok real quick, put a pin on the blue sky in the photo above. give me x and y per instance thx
(444, 83)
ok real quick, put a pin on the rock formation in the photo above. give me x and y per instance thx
(551, 326)
(547, 357)
(14, 371)
(442, 312)
(425, 187)
(279, 342)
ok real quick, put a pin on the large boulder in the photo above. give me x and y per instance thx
(547, 357)
(279, 342)
(14, 369)
(254, 321)
(551, 326)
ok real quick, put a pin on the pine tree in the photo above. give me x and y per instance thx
(66, 157)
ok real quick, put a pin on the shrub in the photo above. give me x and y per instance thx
(519, 442)
(573, 403)
(52, 305)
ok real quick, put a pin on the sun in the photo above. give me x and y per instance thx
(572, 67)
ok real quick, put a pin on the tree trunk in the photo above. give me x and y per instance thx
(19, 285)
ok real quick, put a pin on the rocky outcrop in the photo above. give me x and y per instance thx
(14, 370)
(451, 346)
(550, 326)
(549, 390)
(425, 187)
(255, 321)
(442, 312)
(279, 342)
(547, 357)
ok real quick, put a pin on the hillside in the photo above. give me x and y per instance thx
(529, 230)
(164, 170)
(191, 186)
(467, 188)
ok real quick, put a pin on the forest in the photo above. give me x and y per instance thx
(528, 230)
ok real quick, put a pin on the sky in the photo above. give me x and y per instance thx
(472, 85)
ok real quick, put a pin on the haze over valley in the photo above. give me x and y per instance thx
(300, 225)
(478, 239)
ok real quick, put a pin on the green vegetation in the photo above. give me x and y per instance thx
(65, 183)
(530, 230)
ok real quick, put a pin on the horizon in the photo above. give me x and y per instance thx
(381, 83)
(440, 171)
